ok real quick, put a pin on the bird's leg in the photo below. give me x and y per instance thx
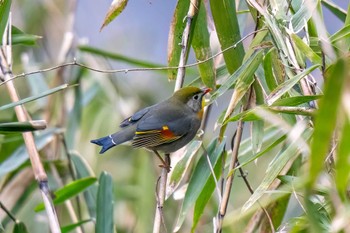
(166, 162)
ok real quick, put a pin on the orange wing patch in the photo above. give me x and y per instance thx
(152, 138)
(167, 133)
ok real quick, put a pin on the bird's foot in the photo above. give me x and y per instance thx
(166, 166)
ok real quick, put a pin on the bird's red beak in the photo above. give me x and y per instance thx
(206, 90)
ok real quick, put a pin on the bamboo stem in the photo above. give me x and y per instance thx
(159, 219)
(38, 169)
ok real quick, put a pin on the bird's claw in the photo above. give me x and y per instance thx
(167, 167)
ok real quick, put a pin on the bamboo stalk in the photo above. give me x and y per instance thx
(38, 169)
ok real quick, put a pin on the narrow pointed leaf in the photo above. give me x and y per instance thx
(68, 191)
(104, 215)
(32, 98)
(243, 76)
(117, 6)
(201, 47)
(5, 6)
(327, 116)
(287, 85)
(275, 167)
(71, 227)
(307, 51)
(20, 228)
(23, 126)
(205, 195)
(227, 29)
(303, 15)
(175, 36)
(198, 179)
(342, 175)
(336, 10)
(84, 170)
(179, 171)
(20, 155)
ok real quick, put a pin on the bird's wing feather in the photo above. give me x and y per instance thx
(151, 131)
(134, 118)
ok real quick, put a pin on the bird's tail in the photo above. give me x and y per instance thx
(114, 139)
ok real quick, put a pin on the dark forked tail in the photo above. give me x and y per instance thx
(115, 139)
(106, 143)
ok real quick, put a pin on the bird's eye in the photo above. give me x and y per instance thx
(195, 97)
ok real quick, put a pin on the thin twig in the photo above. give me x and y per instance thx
(76, 63)
(160, 196)
(38, 169)
(11, 216)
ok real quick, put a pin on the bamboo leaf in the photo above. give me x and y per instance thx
(286, 86)
(5, 6)
(306, 50)
(342, 174)
(118, 57)
(117, 7)
(227, 29)
(71, 227)
(20, 227)
(179, 171)
(303, 15)
(243, 77)
(327, 116)
(198, 179)
(104, 215)
(35, 97)
(336, 10)
(201, 47)
(68, 191)
(23, 126)
(175, 36)
(205, 195)
(20, 155)
(84, 170)
(275, 167)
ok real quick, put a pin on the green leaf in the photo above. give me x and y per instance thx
(342, 167)
(23, 126)
(326, 118)
(32, 98)
(205, 195)
(19, 37)
(268, 70)
(201, 47)
(5, 6)
(20, 155)
(336, 10)
(175, 36)
(68, 191)
(275, 167)
(71, 227)
(343, 33)
(243, 77)
(306, 50)
(199, 178)
(303, 15)
(104, 214)
(227, 29)
(118, 57)
(114, 10)
(20, 228)
(179, 171)
(287, 85)
(84, 170)
(296, 100)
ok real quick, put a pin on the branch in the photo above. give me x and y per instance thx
(38, 169)
(76, 63)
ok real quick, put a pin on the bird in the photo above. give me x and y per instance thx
(166, 126)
